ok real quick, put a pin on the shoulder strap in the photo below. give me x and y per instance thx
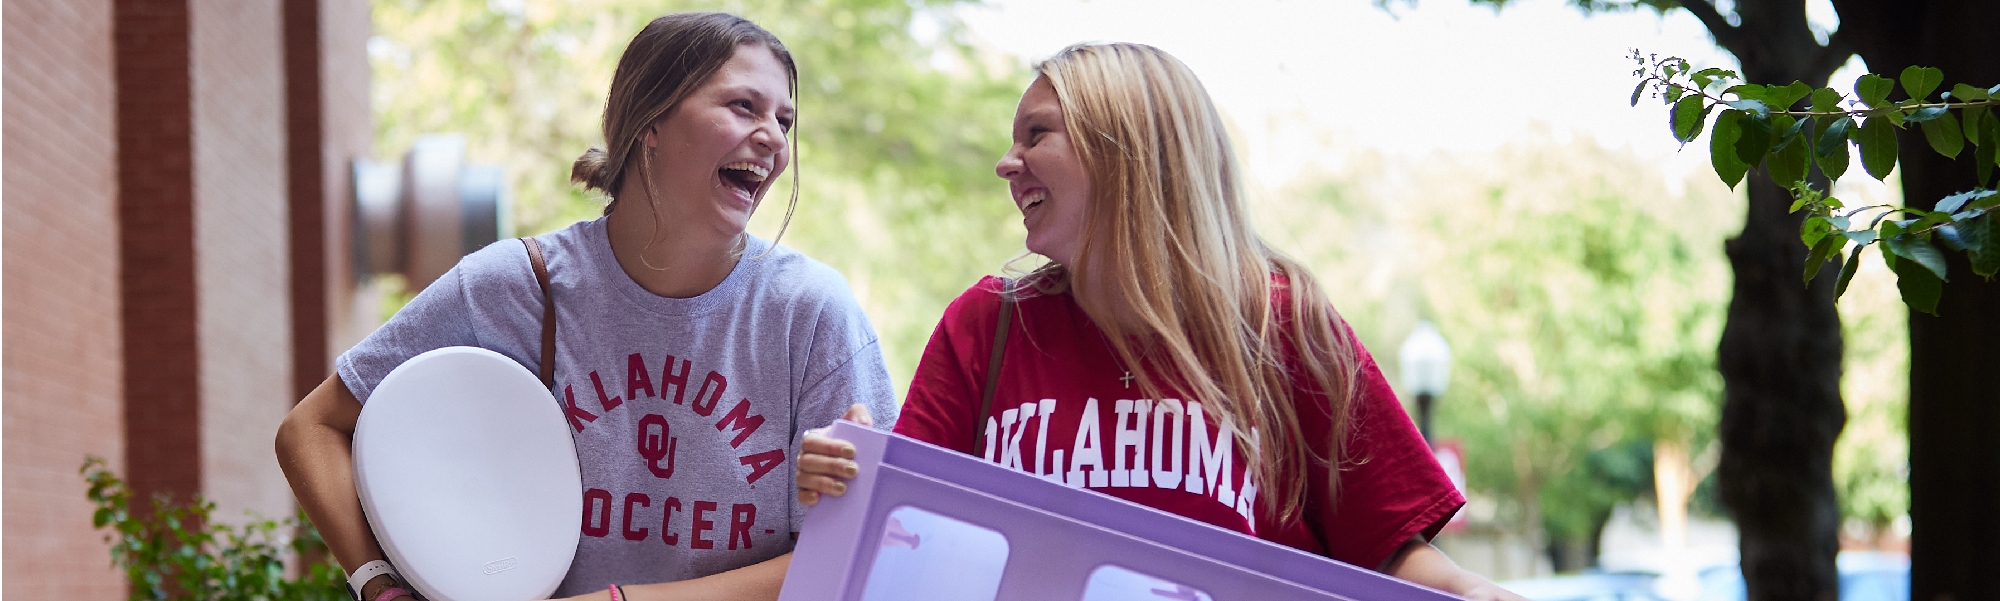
(548, 312)
(992, 370)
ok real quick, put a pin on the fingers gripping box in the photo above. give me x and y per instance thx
(925, 523)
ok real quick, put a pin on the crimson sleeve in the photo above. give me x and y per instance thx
(940, 405)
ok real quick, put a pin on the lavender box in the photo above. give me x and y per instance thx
(926, 523)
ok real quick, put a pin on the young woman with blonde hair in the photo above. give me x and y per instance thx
(1166, 355)
(688, 355)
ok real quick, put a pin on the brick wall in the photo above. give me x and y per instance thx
(63, 390)
(243, 310)
(148, 247)
(349, 133)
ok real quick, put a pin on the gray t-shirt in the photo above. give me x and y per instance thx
(686, 412)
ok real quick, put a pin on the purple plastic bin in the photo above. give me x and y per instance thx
(926, 523)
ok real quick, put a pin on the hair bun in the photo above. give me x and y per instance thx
(592, 170)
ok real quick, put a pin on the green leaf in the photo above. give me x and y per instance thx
(1789, 164)
(1873, 90)
(1988, 152)
(1814, 229)
(1788, 129)
(1847, 269)
(1640, 89)
(1965, 92)
(1755, 141)
(1950, 236)
(1919, 286)
(1750, 91)
(1925, 115)
(1827, 248)
(1984, 199)
(1952, 203)
(1860, 236)
(1878, 146)
(1944, 135)
(1784, 98)
(1982, 243)
(1918, 251)
(1674, 94)
(1895, 117)
(1825, 100)
(1704, 77)
(1751, 105)
(1686, 119)
(1970, 125)
(1992, 129)
(1918, 82)
(1835, 138)
(1722, 147)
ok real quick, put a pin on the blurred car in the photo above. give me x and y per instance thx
(1619, 586)
(1864, 576)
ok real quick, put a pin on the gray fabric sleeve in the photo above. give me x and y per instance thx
(489, 300)
(857, 376)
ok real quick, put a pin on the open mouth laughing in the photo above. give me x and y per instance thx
(744, 176)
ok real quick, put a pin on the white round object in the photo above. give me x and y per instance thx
(467, 473)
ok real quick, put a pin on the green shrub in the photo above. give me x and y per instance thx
(176, 551)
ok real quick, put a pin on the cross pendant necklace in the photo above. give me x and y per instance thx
(1126, 379)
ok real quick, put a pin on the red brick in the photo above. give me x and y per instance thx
(63, 387)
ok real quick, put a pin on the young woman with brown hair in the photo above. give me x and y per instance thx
(663, 305)
(1255, 409)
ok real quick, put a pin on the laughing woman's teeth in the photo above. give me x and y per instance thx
(1033, 199)
(750, 171)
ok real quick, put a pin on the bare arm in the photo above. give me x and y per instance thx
(1419, 562)
(315, 448)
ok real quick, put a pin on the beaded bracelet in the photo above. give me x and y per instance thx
(617, 594)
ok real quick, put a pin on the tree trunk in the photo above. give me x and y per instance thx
(1781, 346)
(1954, 402)
(1780, 364)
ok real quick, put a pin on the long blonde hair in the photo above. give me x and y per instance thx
(1167, 226)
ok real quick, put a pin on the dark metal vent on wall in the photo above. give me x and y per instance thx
(416, 217)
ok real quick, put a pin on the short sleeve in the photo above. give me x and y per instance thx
(939, 408)
(1391, 486)
(489, 300)
(845, 343)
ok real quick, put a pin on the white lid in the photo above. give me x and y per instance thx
(467, 473)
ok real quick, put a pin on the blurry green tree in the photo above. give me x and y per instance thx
(1581, 303)
(1583, 323)
(900, 121)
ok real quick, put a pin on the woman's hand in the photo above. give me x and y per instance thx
(826, 463)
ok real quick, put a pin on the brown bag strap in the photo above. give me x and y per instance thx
(548, 312)
(992, 370)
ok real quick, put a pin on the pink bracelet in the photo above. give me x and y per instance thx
(390, 593)
(616, 593)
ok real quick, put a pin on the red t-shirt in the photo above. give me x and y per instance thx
(1063, 410)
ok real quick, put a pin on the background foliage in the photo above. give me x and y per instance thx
(181, 551)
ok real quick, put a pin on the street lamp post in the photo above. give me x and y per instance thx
(1426, 369)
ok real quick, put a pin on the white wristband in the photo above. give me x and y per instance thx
(367, 572)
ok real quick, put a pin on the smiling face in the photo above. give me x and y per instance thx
(715, 155)
(1046, 177)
